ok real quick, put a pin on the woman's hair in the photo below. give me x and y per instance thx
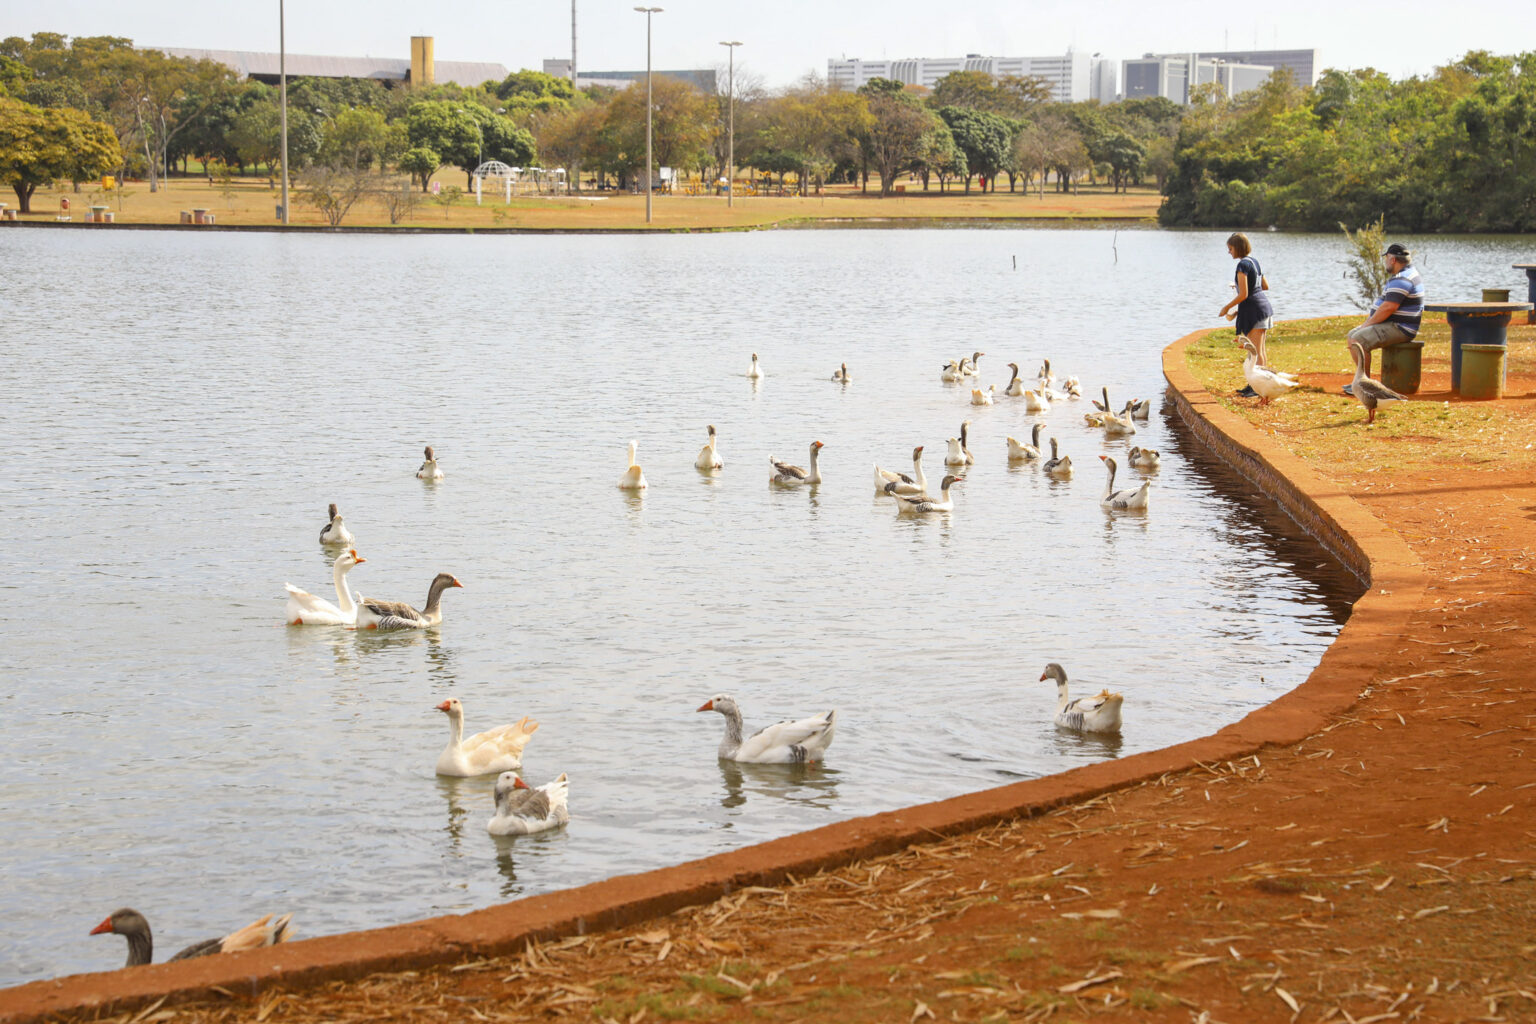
(1240, 244)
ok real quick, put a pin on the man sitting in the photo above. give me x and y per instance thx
(1396, 313)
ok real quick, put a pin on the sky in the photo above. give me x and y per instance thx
(784, 39)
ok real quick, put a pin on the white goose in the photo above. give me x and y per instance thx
(522, 811)
(924, 504)
(1266, 383)
(1015, 388)
(399, 615)
(1099, 713)
(951, 373)
(709, 457)
(1045, 375)
(485, 753)
(1029, 451)
(786, 475)
(969, 367)
(1121, 425)
(1122, 500)
(911, 486)
(1143, 458)
(1141, 409)
(1061, 467)
(305, 609)
(755, 371)
(841, 375)
(633, 479)
(335, 530)
(980, 397)
(429, 469)
(1037, 401)
(799, 742)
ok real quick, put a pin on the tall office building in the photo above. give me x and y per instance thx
(1303, 63)
(1070, 76)
(1174, 76)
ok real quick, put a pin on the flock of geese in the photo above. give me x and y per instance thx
(521, 809)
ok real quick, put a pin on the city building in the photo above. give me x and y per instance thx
(1174, 76)
(421, 69)
(1302, 63)
(702, 79)
(1071, 76)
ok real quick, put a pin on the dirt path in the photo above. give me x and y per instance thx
(1384, 869)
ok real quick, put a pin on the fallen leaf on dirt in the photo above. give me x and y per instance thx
(1195, 961)
(921, 1010)
(1099, 979)
(1429, 912)
(1288, 999)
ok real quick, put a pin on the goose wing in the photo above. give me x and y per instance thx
(801, 733)
(785, 469)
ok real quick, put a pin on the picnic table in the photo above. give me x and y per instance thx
(1475, 323)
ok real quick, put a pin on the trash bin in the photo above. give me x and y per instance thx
(1495, 294)
(1402, 366)
(1482, 371)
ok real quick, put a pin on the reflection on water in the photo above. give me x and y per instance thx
(186, 489)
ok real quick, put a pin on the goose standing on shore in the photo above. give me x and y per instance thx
(633, 479)
(924, 504)
(399, 615)
(1099, 713)
(755, 371)
(841, 375)
(485, 753)
(305, 609)
(709, 457)
(1061, 467)
(1266, 383)
(888, 482)
(133, 926)
(1029, 451)
(786, 475)
(522, 810)
(1126, 500)
(1367, 392)
(335, 530)
(429, 469)
(798, 742)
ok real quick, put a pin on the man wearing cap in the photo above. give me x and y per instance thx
(1396, 314)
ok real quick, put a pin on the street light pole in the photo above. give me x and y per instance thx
(730, 125)
(282, 78)
(648, 11)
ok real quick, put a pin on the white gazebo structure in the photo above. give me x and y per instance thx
(541, 178)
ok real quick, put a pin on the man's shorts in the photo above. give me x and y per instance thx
(1374, 336)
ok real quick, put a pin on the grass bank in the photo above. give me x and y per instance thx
(253, 202)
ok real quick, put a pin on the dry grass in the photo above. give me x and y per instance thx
(252, 201)
(1436, 430)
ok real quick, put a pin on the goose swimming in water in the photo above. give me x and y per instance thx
(980, 397)
(522, 810)
(786, 475)
(429, 469)
(951, 372)
(959, 454)
(633, 479)
(1015, 386)
(1061, 468)
(305, 609)
(399, 615)
(914, 485)
(335, 530)
(842, 376)
(1126, 500)
(755, 371)
(709, 458)
(1369, 393)
(1143, 458)
(1141, 409)
(1121, 425)
(1045, 375)
(924, 504)
(485, 753)
(1037, 401)
(1029, 451)
(1099, 713)
(798, 742)
(133, 926)
(969, 367)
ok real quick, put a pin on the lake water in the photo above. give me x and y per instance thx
(179, 409)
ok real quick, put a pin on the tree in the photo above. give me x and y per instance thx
(334, 191)
(897, 136)
(568, 139)
(38, 146)
(1011, 96)
(682, 123)
(1367, 269)
(445, 129)
(356, 138)
(984, 139)
(1122, 153)
(420, 162)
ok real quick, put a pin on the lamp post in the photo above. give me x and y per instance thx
(282, 78)
(730, 123)
(648, 11)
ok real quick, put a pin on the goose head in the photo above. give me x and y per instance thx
(430, 456)
(711, 431)
(452, 708)
(949, 480)
(816, 446)
(1034, 437)
(332, 510)
(917, 455)
(721, 703)
(1056, 672)
(348, 558)
(965, 427)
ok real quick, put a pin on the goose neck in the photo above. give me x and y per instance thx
(339, 570)
(435, 596)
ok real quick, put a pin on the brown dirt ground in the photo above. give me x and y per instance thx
(1381, 870)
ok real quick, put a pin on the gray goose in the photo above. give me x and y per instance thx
(335, 530)
(133, 926)
(399, 615)
(1369, 393)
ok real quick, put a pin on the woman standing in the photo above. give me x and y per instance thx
(1253, 312)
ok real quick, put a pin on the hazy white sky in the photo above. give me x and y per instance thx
(783, 39)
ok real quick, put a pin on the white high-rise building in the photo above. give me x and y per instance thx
(1070, 76)
(1174, 77)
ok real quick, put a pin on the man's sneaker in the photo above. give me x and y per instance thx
(1248, 392)
(1349, 389)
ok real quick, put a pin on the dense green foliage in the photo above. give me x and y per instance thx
(1455, 151)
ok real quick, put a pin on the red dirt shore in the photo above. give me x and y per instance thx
(1359, 851)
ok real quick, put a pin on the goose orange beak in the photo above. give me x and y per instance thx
(105, 926)
(708, 705)
(518, 783)
(443, 706)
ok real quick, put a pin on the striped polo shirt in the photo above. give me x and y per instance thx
(1407, 290)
